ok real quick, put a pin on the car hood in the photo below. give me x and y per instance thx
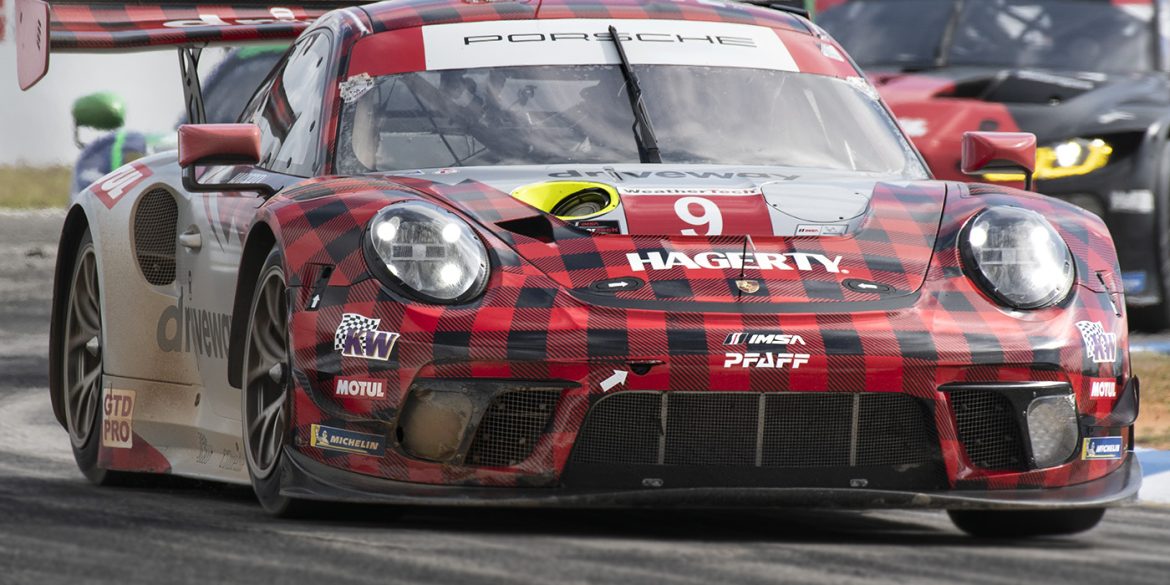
(784, 235)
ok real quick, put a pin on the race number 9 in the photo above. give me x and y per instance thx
(708, 216)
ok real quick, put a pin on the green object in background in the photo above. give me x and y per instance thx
(103, 110)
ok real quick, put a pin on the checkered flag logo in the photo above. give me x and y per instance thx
(353, 323)
(1099, 344)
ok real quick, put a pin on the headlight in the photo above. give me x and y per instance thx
(1071, 158)
(428, 251)
(1052, 427)
(1017, 257)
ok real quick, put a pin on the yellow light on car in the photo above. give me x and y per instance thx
(1070, 158)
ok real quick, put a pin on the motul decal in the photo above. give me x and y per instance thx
(1103, 388)
(799, 261)
(118, 418)
(359, 388)
(110, 188)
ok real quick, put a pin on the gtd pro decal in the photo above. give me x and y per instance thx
(118, 418)
(801, 261)
(358, 336)
(110, 188)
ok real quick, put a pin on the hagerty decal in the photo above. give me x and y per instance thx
(801, 261)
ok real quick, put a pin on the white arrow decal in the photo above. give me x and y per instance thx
(621, 284)
(618, 377)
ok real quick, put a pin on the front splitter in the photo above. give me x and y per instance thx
(310, 480)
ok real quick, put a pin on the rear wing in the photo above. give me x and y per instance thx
(103, 26)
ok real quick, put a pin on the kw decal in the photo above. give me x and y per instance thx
(1100, 345)
(118, 418)
(187, 329)
(358, 336)
(800, 261)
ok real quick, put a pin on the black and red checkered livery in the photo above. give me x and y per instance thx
(473, 259)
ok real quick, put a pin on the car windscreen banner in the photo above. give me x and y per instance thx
(511, 43)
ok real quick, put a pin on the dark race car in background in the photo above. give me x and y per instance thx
(1088, 77)
(225, 93)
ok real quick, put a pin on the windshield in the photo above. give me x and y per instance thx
(581, 114)
(1078, 35)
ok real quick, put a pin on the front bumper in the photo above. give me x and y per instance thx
(310, 480)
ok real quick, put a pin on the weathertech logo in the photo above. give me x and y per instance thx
(801, 261)
(1103, 389)
(358, 336)
(359, 388)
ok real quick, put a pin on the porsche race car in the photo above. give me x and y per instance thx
(605, 253)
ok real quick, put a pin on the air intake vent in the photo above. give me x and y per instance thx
(155, 227)
(989, 430)
(751, 430)
(511, 426)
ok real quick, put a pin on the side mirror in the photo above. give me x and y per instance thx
(101, 111)
(219, 144)
(999, 152)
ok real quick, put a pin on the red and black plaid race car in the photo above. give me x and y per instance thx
(1091, 78)
(615, 253)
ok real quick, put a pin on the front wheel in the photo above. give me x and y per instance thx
(1025, 523)
(266, 412)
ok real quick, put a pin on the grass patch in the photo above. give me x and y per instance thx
(1153, 424)
(24, 187)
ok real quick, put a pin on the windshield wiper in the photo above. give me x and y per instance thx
(643, 131)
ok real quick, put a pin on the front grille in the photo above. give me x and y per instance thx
(511, 426)
(155, 223)
(743, 429)
(989, 430)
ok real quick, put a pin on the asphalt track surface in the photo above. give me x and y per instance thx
(57, 528)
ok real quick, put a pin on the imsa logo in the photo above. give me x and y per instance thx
(762, 339)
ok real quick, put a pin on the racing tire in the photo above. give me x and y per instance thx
(266, 410)
(1025, 523)
(1156, 318)
(79, 344)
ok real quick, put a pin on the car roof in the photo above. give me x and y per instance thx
(398, 14)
